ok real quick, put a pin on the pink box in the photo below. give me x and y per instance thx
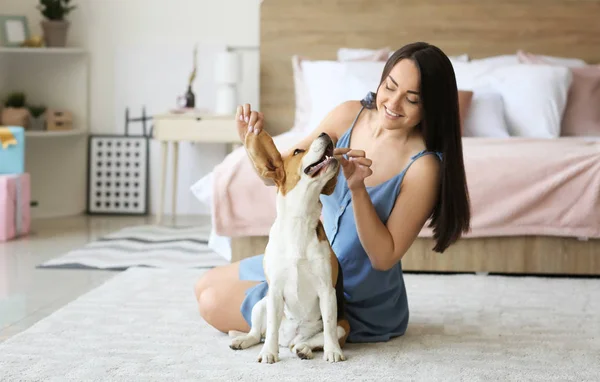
(15, 196)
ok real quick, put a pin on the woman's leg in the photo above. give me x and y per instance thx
(220, 294)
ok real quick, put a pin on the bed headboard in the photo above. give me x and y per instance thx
(317, 28)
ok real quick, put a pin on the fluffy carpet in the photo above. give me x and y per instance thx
(147, 246)
(143, 325)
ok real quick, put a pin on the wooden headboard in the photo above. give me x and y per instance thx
(317, 28)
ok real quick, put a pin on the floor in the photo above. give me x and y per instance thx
(28, 294)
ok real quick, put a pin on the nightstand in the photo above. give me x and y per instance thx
(188, 127)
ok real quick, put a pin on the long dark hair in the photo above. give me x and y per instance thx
(440, 126)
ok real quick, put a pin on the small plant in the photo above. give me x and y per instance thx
(194, 67)
(55, 9)
(15, 100)
(36, 111)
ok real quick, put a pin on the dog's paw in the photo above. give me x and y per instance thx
(235, 333)
(303, 351)
(334, 355)
(243, 342)
(268, 357)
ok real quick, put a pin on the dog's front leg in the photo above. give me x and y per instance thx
(246, 340)
(332, 352)
(270, 350)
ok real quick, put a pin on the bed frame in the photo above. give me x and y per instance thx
(316, 29)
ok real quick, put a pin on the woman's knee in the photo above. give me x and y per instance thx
(215, 276)
(208, 305)
(204, 282)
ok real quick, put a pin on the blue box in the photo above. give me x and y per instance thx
(12, 150)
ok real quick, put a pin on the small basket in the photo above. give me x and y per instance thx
(59, 120)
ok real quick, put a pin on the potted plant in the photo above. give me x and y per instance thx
(55, 26)
(37, 117)
(15, 113)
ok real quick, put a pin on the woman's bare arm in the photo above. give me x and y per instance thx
(386, 244)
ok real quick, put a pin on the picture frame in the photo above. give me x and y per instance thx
(14, 30)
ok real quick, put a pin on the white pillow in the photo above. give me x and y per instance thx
(475, 73)
(351, 54)
(534, 97)
(486, 115)
(496, 61)
(331, 83)
(471, 75)
(302, 100)
(460, 58)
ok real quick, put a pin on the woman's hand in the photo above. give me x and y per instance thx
(248, 121)
(356, 168)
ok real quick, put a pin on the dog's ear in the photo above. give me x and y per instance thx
(330, 185)
(265, 157)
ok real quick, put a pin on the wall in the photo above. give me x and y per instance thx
(140, 52)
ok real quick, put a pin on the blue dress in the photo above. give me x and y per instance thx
(376, 302)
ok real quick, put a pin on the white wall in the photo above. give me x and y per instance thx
(141, 55)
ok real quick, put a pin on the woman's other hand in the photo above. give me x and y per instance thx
(248, 121)
(356, 167)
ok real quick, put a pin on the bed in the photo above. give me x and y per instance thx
(532, 159)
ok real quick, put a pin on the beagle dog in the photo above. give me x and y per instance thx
(304, 306)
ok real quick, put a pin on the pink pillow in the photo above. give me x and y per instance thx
(582, 113)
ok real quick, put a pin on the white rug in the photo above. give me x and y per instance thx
(148, 246)
(143, 326)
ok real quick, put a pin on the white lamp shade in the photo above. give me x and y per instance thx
(226, 101)
(227, 68)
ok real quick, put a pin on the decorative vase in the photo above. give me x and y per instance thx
(190, 98)
(55, 32)
(15, 116)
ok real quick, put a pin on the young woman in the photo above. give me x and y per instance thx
(403, 166)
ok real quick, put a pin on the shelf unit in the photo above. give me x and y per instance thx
(55, 134)
(58, 78)
(61, 51)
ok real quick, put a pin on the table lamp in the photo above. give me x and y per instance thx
(227, 76)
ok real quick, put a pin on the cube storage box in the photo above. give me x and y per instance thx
(12, 150)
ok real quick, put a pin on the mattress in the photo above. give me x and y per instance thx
(517, 186)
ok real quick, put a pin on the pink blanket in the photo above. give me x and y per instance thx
(518, 186)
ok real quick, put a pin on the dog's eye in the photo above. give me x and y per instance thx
(298, 151)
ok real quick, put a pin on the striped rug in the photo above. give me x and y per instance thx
(144, 246)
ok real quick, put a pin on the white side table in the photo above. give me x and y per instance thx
(188, 127)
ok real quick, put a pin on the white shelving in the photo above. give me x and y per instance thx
(58, 78)
(55, 134)
(62, 51)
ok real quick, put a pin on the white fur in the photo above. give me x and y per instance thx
(300, 308)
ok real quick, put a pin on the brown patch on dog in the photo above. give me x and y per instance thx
(265, 157)
(269, 164)
(346, 325)
(321, 232)
(330, 186)
(292, 165)
(334, 267)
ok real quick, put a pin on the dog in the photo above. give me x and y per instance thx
(304, 306)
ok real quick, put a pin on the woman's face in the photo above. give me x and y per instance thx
(398, 98)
